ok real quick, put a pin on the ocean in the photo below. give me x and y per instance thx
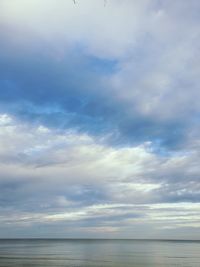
(98, 253)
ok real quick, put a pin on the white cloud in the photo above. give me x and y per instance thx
(156, 47)
(41, 153)
(105, 31)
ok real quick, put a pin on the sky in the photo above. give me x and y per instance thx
(100, 119)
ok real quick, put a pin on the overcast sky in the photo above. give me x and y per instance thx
(100, 118)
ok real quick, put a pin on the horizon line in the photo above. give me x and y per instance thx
(103, 239)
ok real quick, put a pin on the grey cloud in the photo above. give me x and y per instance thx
(84, 170)
(101, 131)
(151, 96)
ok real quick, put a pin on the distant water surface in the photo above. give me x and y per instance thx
(98, 253)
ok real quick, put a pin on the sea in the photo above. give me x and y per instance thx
(98, 253)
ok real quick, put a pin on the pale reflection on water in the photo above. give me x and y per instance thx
(99, 253)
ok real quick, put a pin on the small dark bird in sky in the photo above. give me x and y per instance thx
(105, 2)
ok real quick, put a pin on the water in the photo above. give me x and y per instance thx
(99, 253)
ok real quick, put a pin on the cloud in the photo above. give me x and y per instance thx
(130, 70)
(48, 177)
(99, 111)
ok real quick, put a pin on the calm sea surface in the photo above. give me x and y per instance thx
(104, 253)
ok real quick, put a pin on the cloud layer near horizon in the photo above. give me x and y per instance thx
(99, 124)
